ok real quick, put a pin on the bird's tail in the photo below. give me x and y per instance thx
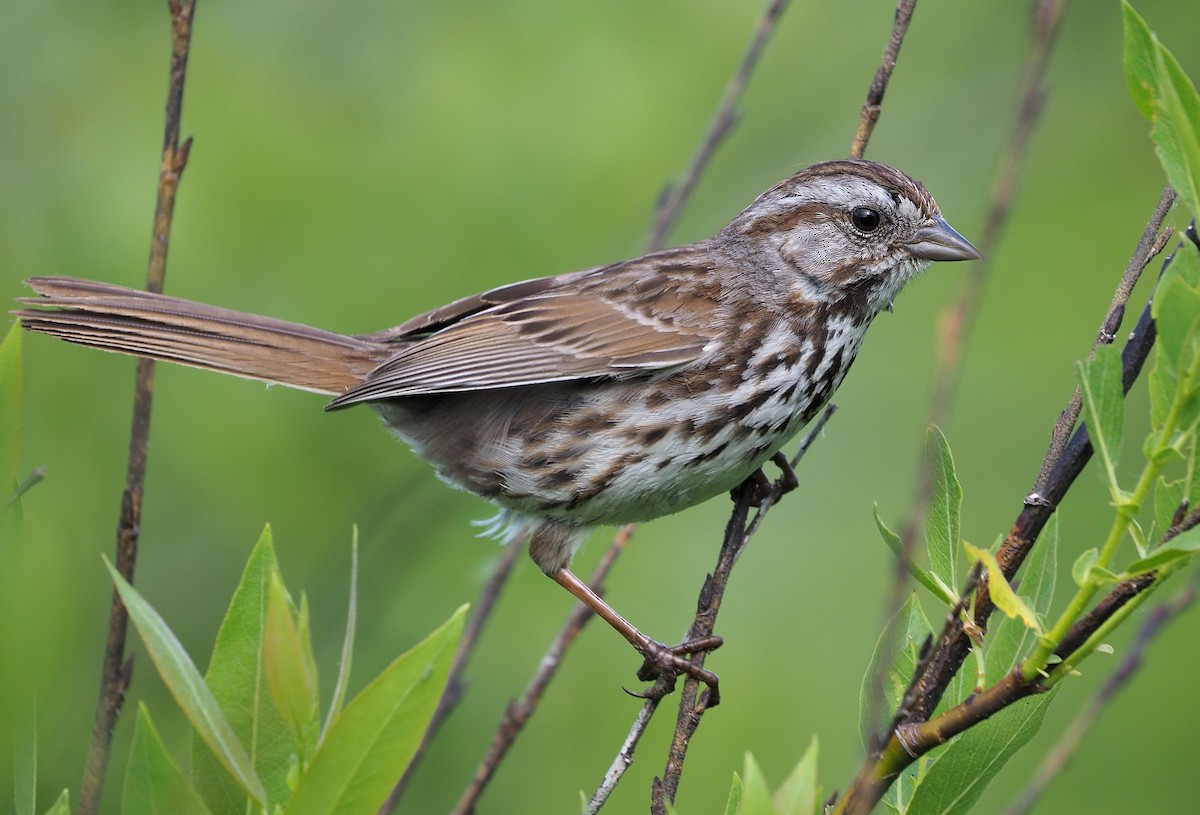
(114, 318)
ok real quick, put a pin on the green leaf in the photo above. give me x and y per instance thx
(1176, 310)
(1163, 94)
(955, 781)
(237, 678)
(734, 803)
(1008, 639)
(800, 794)
(62, 806)
(1104, 409)
(1082, 569)
(1183, 545)
(292, 685)
(929, 581)
(1181, 104)
(12, 406)
(1167, 498)
(1139, 61)
(900, 644)
(945, 506)
(343, 678)
(186, 685)
(756, 796)
(154, 782)
(1001, 592)
(373, 740)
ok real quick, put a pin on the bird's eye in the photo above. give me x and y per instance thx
(864, 219)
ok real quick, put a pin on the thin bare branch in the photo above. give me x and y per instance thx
(1151, 243)
(481, 612)
(517, 714)
(624, 758)
(710, 594)
(874, 104)
(674, 196)
(117, 670)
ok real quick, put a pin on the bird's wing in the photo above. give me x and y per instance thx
(541, 332)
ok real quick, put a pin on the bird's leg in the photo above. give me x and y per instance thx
(661, 659)
(763, 486)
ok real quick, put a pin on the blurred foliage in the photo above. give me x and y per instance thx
(357, 163)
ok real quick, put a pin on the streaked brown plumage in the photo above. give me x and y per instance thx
(611, 395)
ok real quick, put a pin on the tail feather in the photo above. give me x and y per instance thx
(114, 318)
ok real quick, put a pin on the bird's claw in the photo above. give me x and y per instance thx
(664, 663)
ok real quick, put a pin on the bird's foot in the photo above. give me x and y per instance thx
(664, 663)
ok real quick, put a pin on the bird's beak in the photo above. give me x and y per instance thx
(937, 240)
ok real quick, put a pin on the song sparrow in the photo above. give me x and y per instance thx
(616, 394)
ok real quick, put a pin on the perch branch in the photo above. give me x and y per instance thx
(738, 531)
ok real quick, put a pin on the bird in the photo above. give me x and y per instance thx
(616, 394)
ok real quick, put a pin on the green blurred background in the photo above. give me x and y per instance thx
(355, 163)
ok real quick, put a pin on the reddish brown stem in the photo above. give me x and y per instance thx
(117, 670)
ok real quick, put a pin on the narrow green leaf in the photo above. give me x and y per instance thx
(1181, 546)
(800, 794)
(237, 678)
(756, 796)
(376, 736)
(929, 581)
(343, 678)
(180, 676)
(25, 765)
(62, 806)
(900, 644)
(1008, 640)
(1174, 316)
(1182, 107)
(288, 677)
(734, 803)
(1104, 408)
(12, 406)
(945, 506)
(1082, 569)
(154, 782)
(955, 781)
(1176, 310)
(1163, 94)
(1139, 61)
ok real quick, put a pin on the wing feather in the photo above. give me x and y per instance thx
(544, 337)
